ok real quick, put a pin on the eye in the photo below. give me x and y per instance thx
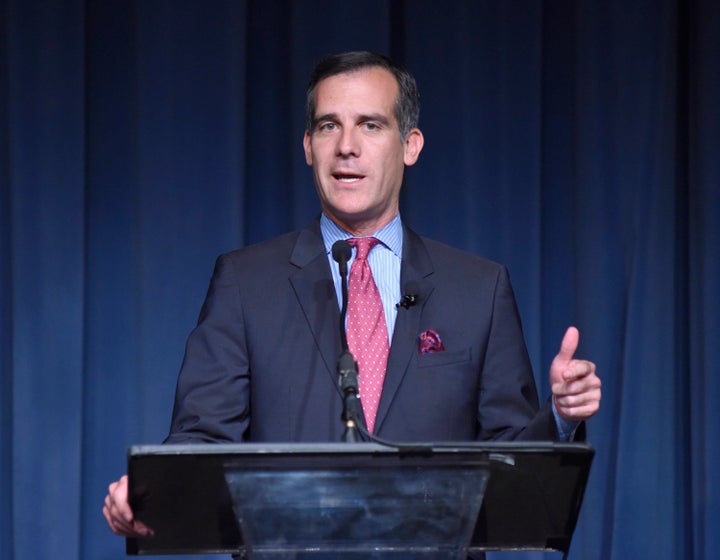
(372, 126)
(326, 126)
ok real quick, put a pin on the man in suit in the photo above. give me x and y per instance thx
(261, 365)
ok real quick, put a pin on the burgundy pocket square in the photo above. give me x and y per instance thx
(429, 342)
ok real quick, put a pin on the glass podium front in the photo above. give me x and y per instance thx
(414, 513)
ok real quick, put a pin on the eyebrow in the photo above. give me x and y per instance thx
(382, 119)
(325, 117)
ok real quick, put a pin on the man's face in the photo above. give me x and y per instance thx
(356, 151)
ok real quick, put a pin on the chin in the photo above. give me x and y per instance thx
(350, 209)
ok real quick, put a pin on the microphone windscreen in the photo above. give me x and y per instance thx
(341, 251)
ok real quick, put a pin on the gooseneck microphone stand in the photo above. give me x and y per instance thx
(347, 367)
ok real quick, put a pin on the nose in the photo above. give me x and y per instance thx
(348, 144)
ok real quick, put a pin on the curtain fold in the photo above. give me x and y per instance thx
(575, 142)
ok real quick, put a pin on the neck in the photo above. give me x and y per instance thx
(362, 228)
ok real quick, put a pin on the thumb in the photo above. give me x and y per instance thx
(569, 345)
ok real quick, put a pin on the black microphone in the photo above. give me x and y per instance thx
(347, 367)
(410, 296)
(341, 251)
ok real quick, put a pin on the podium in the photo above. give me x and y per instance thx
(352, 501)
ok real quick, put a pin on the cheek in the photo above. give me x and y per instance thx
(393, 172)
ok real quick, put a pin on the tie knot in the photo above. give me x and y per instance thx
(363, 245)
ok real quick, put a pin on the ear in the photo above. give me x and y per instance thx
(307, 148)
(414, 142)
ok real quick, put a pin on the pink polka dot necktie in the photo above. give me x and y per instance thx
(367, 332)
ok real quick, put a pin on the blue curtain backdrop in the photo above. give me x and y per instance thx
(576, 142)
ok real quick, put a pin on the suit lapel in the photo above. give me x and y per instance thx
(417, 268)
(315, 291)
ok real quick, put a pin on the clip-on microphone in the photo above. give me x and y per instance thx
(410, 296)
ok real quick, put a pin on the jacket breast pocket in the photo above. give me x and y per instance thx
(445, 358)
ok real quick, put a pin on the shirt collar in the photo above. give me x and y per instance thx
(390, 235)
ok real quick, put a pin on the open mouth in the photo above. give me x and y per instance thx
(348, 178)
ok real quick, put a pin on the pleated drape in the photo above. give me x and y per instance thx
(575, 142)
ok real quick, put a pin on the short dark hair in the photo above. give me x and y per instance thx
(407, 106)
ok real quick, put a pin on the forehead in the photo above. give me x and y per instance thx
(366, 90)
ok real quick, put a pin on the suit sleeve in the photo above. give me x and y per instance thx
(212, 398)
(508, 401)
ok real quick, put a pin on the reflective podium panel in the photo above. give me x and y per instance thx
(396, 512)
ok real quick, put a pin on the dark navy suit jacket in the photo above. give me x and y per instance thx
(261, 363)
